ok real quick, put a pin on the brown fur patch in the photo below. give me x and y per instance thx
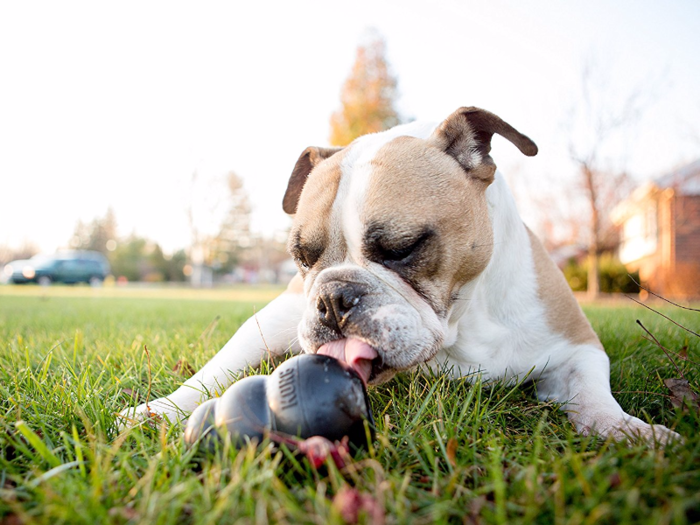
(415, 186)
(564, 315)
(311, 227)
(466, 135)
(308, 160)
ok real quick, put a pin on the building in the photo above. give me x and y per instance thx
(660, 232)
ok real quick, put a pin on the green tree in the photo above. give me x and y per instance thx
(129, 258)
(174, 266)
(97, 234)
(367, 97)
(613, 277)
(161, 267)
(219, 218)
(234, 233)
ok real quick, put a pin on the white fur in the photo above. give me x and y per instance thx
(497, 327)
(497, 339)
(501, 338)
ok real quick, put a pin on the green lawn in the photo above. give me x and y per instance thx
(446, 451)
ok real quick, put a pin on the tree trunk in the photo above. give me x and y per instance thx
(593, 281)
(593, 247)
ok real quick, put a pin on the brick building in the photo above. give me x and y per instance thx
(660, 232)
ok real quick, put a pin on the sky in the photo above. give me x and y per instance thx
(119, 104)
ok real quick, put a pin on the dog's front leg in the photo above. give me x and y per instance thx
(582, 384)
(273, 330)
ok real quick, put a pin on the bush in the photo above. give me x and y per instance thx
(614, 277)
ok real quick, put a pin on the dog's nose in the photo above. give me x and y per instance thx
(335, 304)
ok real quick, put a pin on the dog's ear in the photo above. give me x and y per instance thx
(310, 157)
(466, 136)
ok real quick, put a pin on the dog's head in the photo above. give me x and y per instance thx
(388, 230)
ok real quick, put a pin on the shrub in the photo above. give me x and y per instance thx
(614, 277)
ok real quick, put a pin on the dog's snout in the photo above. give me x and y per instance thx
(335, 304)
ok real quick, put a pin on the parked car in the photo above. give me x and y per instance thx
(64, 267)
(12, 268)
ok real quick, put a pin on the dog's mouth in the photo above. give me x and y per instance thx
(360, 356)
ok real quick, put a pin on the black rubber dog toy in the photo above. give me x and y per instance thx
(306, 396)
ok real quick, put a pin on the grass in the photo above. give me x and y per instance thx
(446, 451)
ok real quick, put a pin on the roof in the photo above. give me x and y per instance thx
(685, 180)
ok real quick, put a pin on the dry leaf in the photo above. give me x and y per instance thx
(452, 451)
(682, 395)
(131, 394)
(183, 368)
(11, 519)
(351, 504)
(615, 480)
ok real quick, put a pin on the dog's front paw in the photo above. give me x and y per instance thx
(623, 427)
(634, 428)
(155, 411)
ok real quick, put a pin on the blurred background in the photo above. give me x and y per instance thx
(159, 136)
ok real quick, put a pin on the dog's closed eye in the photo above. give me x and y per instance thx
(401, 253)
(392, 251)
(306, 257)
(304, 254)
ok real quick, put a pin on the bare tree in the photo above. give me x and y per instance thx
(691, 128)
(218, 213)
(26, 250)
(234, 234)
(598, 126)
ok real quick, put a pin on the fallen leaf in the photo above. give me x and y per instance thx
(351, 504)
(153, 417)
(183, 368)
(318, 449)
(452, 451)
(615, 480)
(348, 502)
(131, 394)
(682, 395)
(11, 519)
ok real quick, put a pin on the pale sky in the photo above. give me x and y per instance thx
(118, 104)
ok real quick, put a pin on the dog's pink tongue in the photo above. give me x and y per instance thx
(354, 352)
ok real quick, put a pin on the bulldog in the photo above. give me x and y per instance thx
(411, 253)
